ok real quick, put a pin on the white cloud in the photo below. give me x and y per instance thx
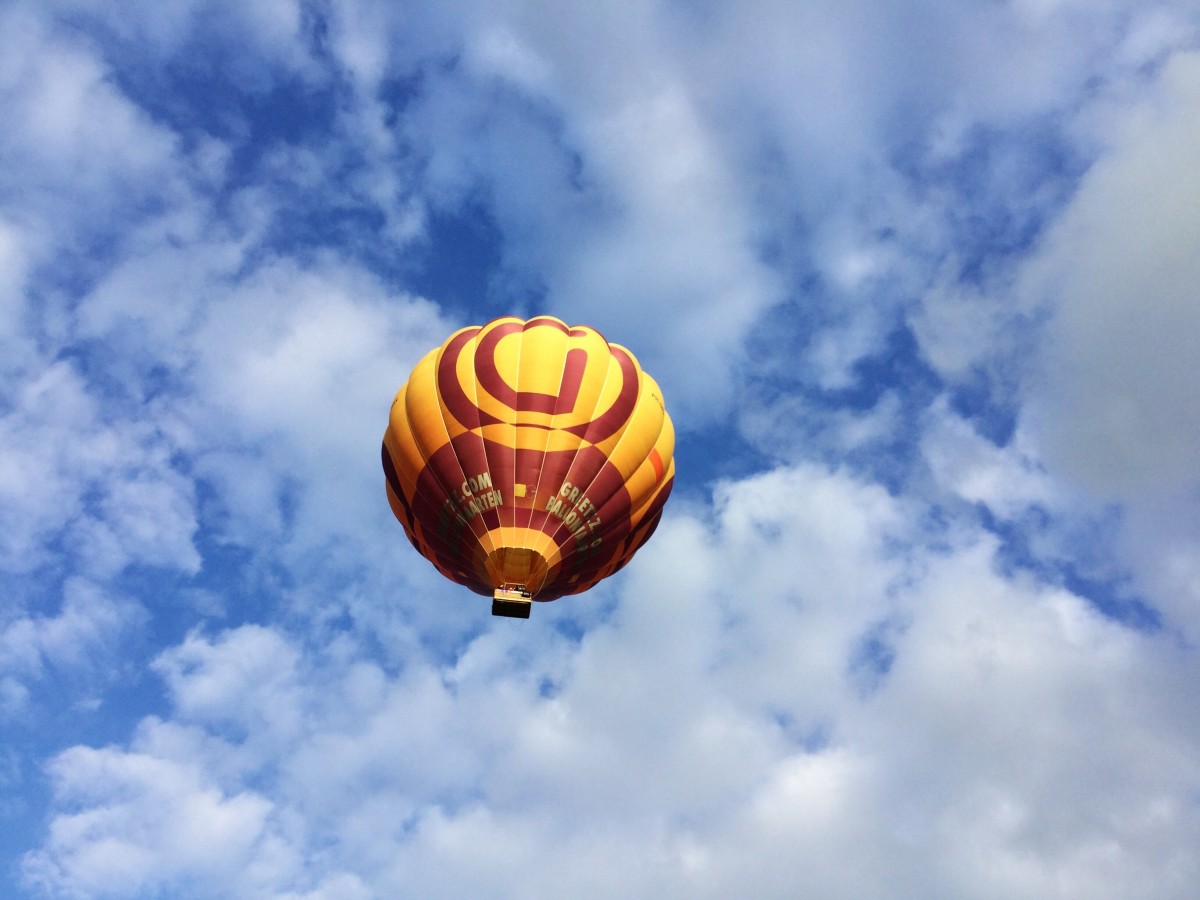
(682, 250)
(81, 641)
(1120, 272)
(264, 35)
(14, 265)
(248, 672)
(147, 824)
(14, 695)
(107, 486)
(1007, 479)
(76, 151)
(154, 299)
(302, 365)
(38, 495)
(796, 689)
(608, 186)
(650, 188)
(716, 736)
(271, 375)
(1112, 408)
(1057, 756)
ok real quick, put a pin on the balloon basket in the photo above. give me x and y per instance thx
(512, 602)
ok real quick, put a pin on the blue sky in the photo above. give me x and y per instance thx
(919, 284)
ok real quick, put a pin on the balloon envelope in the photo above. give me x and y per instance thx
(528, 459)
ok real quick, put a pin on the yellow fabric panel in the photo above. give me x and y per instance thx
(642, 484)
(540, 360)
(598, 358)
(541, 368)
(464, 369)
(505, 434)
(640, 505)
(532, 439)
(506, 363)
(426, 418)
(639, 435)
(422, 408)
(453, 427)
(407, 458)
(465, 372)
(564, 440)
(610, 390)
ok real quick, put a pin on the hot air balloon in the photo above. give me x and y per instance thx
(528, 459)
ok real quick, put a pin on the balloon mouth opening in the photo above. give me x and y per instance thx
(517, 568)
(517, 573)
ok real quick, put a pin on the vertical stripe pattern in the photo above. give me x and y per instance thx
(528, 453)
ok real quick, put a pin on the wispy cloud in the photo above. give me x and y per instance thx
(920, 618)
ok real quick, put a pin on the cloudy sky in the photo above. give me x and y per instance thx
(919, 281)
